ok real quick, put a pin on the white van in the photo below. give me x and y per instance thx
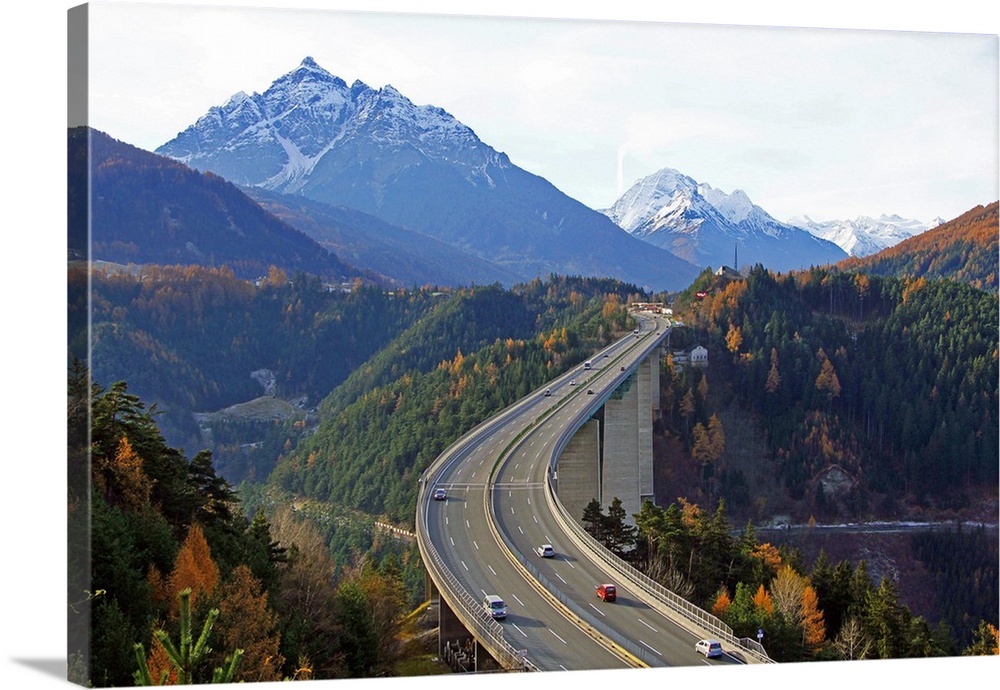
(495, 606)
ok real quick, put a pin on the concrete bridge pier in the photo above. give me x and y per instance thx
(456, 645)
(611, 455)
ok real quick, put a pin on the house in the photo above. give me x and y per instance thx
(699, 356)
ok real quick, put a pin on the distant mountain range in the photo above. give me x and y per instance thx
(711, 228)
(864, 236)
(416, 167)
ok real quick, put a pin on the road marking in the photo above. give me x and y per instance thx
(512, 510)
(519, 529)
(519, 630)
(648, 647)
(491, 568)
(445, 519)
(518, 600)
(529, 503)
(648, 625)
(464, 565)
(452, 540)
(533, 518)
(474, 543)
(558, 638)
(597, 609)
(571, 565)
(467, 525)
(560, 577)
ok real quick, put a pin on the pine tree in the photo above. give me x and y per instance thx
(187, 654)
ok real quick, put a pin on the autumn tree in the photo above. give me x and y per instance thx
(120, 478)
(984, 642)
(247, 622)
(827, 381)
(734, 339)
(811, 621)
(687, 407)
(716, 438)
(194, 570)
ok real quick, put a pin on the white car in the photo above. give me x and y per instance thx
(709, 648)
(440, 494)
(545, 551)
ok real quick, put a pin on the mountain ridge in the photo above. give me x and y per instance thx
(416, 167)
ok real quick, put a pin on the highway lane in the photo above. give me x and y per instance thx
(459, 530)
(461, 533)
(523, 515)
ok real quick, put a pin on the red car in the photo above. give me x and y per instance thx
(607, 592)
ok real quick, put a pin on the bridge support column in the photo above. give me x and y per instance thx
(620, 469)
(649, 401)
(578, 479)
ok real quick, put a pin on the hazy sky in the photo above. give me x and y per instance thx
(828, 123)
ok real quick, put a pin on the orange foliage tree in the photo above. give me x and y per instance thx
(194, 568)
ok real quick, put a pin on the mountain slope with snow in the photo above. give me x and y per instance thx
(416, 167)
(708, 227)
(865, 236)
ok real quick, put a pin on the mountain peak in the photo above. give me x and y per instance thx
(701, 224)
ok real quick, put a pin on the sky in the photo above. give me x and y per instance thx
(829, 123)
(34, 58)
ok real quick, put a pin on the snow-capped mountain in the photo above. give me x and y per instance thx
(708, 227)
(417, 167)
(865, 236)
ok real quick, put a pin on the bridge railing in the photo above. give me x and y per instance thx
(699, 617)
(466, 606)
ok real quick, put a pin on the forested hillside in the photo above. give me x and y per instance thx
(473, 356)
(149, 209)
(190, 338)
(964, 249)
(893, 382)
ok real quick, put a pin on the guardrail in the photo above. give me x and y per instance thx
(466, 606)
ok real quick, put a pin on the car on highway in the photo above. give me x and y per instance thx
(590, 391)
(607, 592)
(548, 393)
(545, 551)
(710, 648)
(572, 383)
(495, 606)
(440, 494)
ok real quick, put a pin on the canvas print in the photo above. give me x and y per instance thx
(416, 344)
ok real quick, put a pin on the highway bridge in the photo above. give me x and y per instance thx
(520, 479)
